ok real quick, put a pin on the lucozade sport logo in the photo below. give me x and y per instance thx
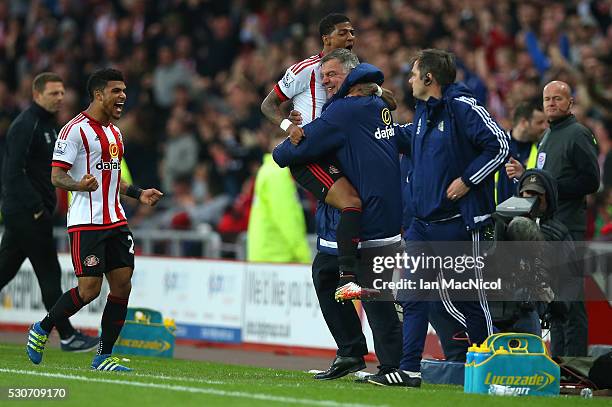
(540, 379)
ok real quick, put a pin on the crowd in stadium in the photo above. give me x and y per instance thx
(197, 71)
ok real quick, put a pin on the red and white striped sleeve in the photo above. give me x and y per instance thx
(68, 144)
(296, 79)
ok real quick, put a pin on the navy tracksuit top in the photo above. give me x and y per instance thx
(455, 137)
(361, 132)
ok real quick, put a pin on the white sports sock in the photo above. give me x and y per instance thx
(67, 340)
(412, 374)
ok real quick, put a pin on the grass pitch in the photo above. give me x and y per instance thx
(162, 382)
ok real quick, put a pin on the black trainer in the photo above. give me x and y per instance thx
(79, 342)
(362, 377)
(396, 377)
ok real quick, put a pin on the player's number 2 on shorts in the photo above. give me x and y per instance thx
(131, 239)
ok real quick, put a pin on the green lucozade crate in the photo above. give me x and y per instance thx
(512, 363)
(146, 333)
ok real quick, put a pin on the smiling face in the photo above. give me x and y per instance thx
(51, 97)
(343, 36)
(333, 74)
(113, 98)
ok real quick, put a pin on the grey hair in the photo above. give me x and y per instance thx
(344, 56)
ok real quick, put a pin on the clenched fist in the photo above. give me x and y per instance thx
(296, 134)
(295, 117)
(150, 196)
(88, 183)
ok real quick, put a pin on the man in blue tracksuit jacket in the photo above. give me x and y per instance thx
(406, 170)
(450, 332)
(360, 131)
(456, 147)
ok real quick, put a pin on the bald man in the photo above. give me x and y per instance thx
(568, 152)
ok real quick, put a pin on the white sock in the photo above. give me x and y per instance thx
(412, 374)
(67, 340)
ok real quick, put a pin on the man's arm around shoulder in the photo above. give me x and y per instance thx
(322, 136)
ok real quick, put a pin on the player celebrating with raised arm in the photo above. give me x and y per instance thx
(87, 160)
(324, 178)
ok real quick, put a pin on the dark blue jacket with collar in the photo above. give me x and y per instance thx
(455, 137)
(407, 215)
(361, 132)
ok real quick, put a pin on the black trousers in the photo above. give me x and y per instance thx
(343, 321)
(26, 237)
(571, 337)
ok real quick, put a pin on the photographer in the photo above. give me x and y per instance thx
(522, 220)
(538, 222)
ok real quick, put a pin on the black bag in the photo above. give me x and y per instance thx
(600, 373)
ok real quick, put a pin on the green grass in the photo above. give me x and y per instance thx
(162, 382)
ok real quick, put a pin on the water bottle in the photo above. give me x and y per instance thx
(469, 369)
(481, 354)
(501, 351)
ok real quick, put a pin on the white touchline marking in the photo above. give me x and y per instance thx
(216, 392)
(152, 376)
(166, 377)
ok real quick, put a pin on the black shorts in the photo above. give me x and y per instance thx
(317, 177)
(95, 252)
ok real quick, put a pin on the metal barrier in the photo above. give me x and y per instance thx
(239, 248)
(178, 243)
(175, 243)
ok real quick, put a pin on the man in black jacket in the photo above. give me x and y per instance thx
(561, 260)
(28, 201)
(568, 152)
(567, 272)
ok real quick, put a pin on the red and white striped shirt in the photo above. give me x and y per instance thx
(85, 146)
(302, 84)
